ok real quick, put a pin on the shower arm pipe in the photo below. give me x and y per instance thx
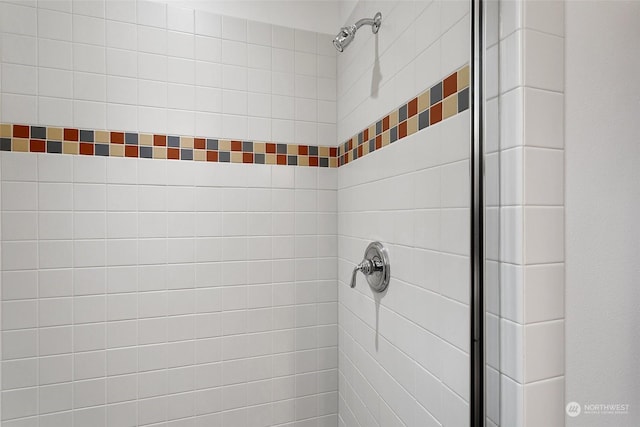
(374, 22)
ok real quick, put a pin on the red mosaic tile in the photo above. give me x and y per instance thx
(247, 157)
(131, 151)
(158, 140)
(313, 161)
(270, 148)
(359, 151)
(86, 148)
(212, 156)
(333, 151)
(435, 113)
(350, 145)
(378, 142)
(450, 85)
(281, 159)
(71, 134)
(402, 130)
(173, 153)
(303, 150)
(385, 124)
(37, 146)
(365, 135)
(412, 110)
(116, 137)
(199, 143)
(236, 145)
(20, 131)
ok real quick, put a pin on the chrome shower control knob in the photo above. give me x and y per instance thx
(375, 267)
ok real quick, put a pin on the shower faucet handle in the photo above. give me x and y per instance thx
(375, 266)
(366, 266)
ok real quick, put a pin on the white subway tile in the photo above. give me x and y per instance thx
(19, 285)
(259, 33)
(19, 79)
(55, 312)
(543, 61)
(543, 235)
(55, 369)
(88, 365)
(88, 30)
(208, 24)
(543, 118)
(180, 45)
(89, 58)
(19, 108)
(89, 337)
(89, 87)
(256, 56)
(152, 14)
(122, 361)
(151, 40)
(544, 177)
(91, 115)
(181, 71)
(512, 402)
(19, 49)
(54, 25)
(234, 28)
(122, 90)
(18, 167)
(234, 53)
(305, 41)
(19, 374)
(180, 19)
(19, 19)
(20, 403)
(89, 8)
(543, 350)
(152, 67)
(53, 398)
(234, 78)
(511, 61)
(124, 11)
(544, 394)
(545, 16)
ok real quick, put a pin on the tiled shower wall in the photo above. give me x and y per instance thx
(404, 355)
(419, 44)
(528, 98)
(153, 292)
(127, 65)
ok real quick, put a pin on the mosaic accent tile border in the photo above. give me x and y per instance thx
(443, 100)
(40, 139)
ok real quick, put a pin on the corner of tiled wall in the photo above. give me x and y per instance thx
(125, 225)
(532, 212)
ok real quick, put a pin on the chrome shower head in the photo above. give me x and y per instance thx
(344, 37)
(346, 34)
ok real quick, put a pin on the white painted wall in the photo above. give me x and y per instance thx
(603, 201)
(322, 16)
